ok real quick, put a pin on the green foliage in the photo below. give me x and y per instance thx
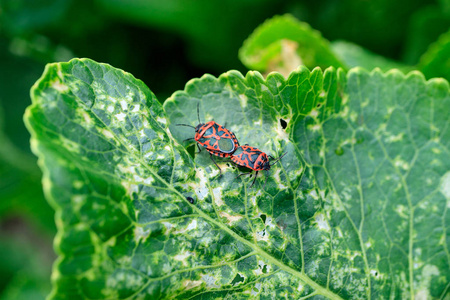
(21, 198)
(20, 178)
(425, 27)
(380, 26)
(354, 56)
(357, 208)
(23, 273)
(284, 42)
(436, 61)
(197, 23)
(168, 43)
(24, 16)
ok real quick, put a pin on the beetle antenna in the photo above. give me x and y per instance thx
(198, 113)
(185, 125)
(276, 160)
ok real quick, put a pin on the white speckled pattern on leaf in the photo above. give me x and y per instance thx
(356, 209)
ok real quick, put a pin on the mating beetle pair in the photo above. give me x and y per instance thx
(221, 142)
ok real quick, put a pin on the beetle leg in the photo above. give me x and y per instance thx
(243, 174)
(256, 174)
(199, 149)
(220, 170)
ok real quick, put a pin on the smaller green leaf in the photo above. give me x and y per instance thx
(435, 62)
(283, 43)
(353, 56)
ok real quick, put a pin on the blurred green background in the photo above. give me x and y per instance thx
(164, 43)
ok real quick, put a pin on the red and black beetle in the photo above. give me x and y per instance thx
(217, 140)
(254, 159)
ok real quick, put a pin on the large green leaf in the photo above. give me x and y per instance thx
(356, 209)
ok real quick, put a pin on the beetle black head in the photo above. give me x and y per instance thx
(266, 164)
(198, 127)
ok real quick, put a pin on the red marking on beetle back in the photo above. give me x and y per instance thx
(253, 158)
(210, 133)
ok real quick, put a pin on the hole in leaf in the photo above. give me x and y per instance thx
(263, 218)
(237, 279)
(191, 150)
(283, 123)
(263, 233)
(264, 269)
